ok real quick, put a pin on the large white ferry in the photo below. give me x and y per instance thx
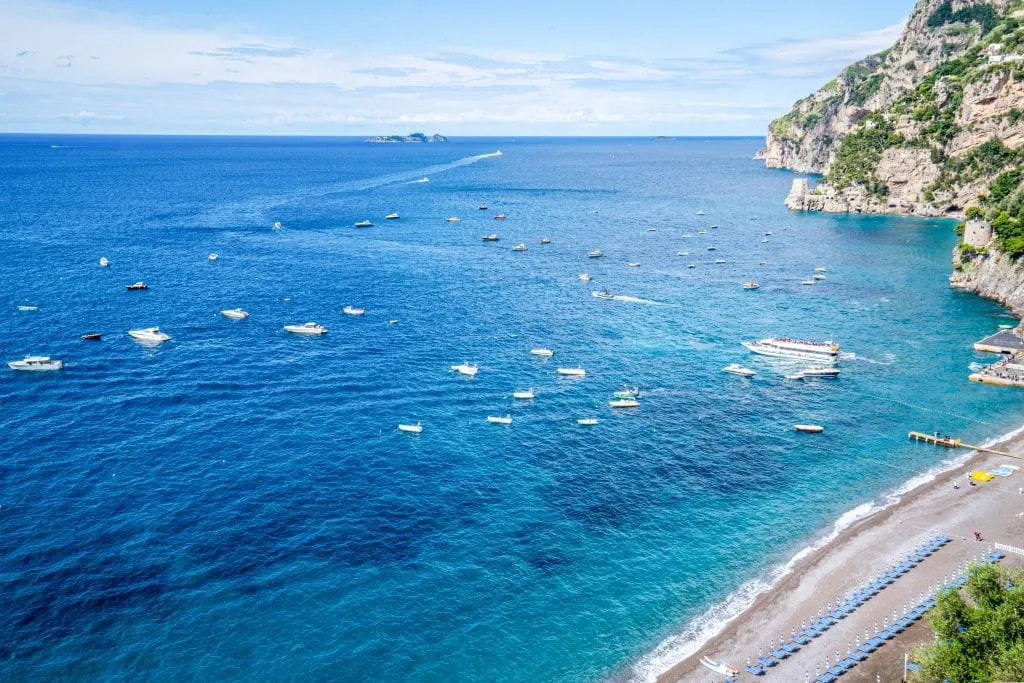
(784, 347)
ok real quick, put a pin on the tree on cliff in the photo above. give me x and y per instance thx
(978, 636)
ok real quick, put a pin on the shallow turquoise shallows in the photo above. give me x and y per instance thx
(238, 504)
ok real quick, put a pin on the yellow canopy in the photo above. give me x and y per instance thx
(978, 475)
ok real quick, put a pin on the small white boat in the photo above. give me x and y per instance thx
(700, 213)
(624, 403)
(821, 372)
(151, 335)
(353, 310)
(702, 232)
(768, 234)
(737, 369)
(751, 285)
(719, 261)
(762, 263)
(795, 376)
(453, 219)
(572, 372)
(392, 322)
(524, 395)
(306, 328)
(603, 294)
(652, 230)
(720, 667)
(819, 270)
(491, 238)
(807, 282)
(234, 313)
(633, 264)
(104, 261)
(364, 224)
(412, 429)
(544, 353)
(391, 216)
(499, 217)
(687, 236)
(465, 369)
(212, 257)
(36, 364)
(811, 429)
(519, 247)
(682, 253)
(587, 421)
(28, 308)
(819, 276)
(545, 240)
(626, 392)
(596, 253)
(586, 277)
(692, 265)
(507, 420)
(277, 225)
(764, 240)
(138, 286)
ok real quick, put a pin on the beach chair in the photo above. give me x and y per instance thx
(857, 655)
(778, 654)
(755, 670)
(798, 638)
(876, 641)
(825, 677)
(885, 634)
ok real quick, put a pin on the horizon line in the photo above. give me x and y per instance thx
(372, 135)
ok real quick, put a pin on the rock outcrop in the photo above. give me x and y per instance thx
(991, 274)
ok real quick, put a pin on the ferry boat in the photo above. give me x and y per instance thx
(624, 403)
(519, 247)
(412, 429)
(737, 369)
(364, 224)
(465, 369)
(235, 313)
(603, 294)
(596, 253)
(36, 364)
(391, 216)
(784, 347)
(306, 328)
(491, 238)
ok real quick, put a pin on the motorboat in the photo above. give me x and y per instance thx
(36, 364)
(545, 240)
(682, 253)
(807, 282)
(819, 276)
(712, 248)
(819, 270)
(737, 369)
(587, 421)
(24, 307)
(596, 253)
(652, 230)
(483, 207)
(519, 247)
(719, 261)
(692, 265)
(412, 429)
(763, 241)
(633, 264)
(626, 392)
(104, 261)
(603, 294)
(810, 429)
(572, 372)
(453, 219)
(751, 285)
(499, 217)
(768, 234)
(212, 257)
(624, 403)
(795, 376)
(524, 395)
(702, 232)
(700, 213)
(465, 369)
(353, 310)
(821, 372)
(713, 227)
(306, 328)
(392, 322)
(138, 286)
(151, 335)
(720, 667)
(491, 238)
(762, 263)
(784, 347)
(392, 216)
(687, 236)
(507, 420)
(364, 224)
(277, 225)
(543, 353)
(586, 277)
(235, 313)
(92, 336)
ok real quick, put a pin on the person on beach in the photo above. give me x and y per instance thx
(977, 536)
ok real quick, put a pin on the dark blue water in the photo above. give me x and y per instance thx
(237, 503)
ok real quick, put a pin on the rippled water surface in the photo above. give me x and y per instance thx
(237, 503)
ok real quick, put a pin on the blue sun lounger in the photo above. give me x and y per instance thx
(885, 634)
(755, 670)
(867, 648)
(778, 654)
(905, 622)
(789, 647)
(876, 641)
(857, 656)
(826, 677)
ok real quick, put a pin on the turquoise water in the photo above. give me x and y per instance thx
(237, 503)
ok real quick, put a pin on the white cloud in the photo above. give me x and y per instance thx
(89, 116)
(843, 49)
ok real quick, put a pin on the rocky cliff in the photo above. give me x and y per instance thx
(991, 274)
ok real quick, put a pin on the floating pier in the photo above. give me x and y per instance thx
(950, 442)
(1003, 341)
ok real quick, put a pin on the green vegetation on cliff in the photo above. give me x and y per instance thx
(983, 15)
(860, 152)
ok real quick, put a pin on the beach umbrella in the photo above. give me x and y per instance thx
(885, 622)
(894, 615)
(866, 636)
(817, 671)
(878, 678)
(849, 650)
(876, 626)
(857, 638)
(826, 663)
(807, 676)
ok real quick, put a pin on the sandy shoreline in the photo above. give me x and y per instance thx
(858, 554)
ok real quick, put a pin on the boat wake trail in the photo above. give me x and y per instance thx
(637, 300)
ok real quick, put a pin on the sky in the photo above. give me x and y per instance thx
(455, 67)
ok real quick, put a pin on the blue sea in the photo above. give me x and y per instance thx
(237, 503)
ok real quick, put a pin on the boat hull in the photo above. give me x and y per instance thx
(790, 353)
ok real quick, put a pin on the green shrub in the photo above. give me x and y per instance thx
(983, 15)
(861, 150)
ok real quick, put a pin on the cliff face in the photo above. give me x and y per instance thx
(992, 275)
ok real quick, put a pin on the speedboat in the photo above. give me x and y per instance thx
(277, 225)
(768, 234)
(821, 372)
(633, 264)
(603, 294)
(140, 285)
(453, 219)
(784, 347)
(483, 207)
(587, 421)
(519, 247)
(819, 276)
(762, 263)
(811, 429)
(692, 265)
(626, 392)
(412, 429)
(596, 253)
(586, 277)
(795, 375)
(36, 364)
(92, 336)
(624, 403)
(713, 227)
(352, 310)
(152, 335)
(545, 240)
(807, 282)
(104, 261)
(28, 308)
(491, 238)
(687, 236)
(719, 261)
(700, 213)
(652, 230)
(751, 285)
(572, 372)
(234, 313)
(500, 217)
(507, 420)
(819, 270)
(306, 328)
(720, 667)
(737, 369)
(391, 216)
(544, 353)
(465, 369)
(764, 240)
(712, 248)
(364, 224)
(524, 395)
(702, 232)
(212, 257)
(682, 253)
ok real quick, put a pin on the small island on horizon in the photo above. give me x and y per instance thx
(412, 137)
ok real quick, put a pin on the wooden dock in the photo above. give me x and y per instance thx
(949, 442)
